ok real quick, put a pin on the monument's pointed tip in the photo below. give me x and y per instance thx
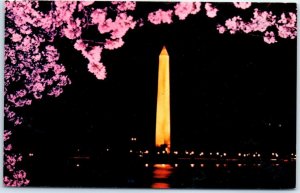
(164, 51)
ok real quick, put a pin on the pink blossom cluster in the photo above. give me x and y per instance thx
(94, 57)
(211, 11)
(82, 4)
(121, 25)
(242, 5)
(11, 160)
(62, 18)
(19, 178)
(160, 16)
(260, 22)
(29, 62)
(117, 27)
(287, 26)
(98, 16)
(221, 29)
(125, 5)
(113, 44)
(73, 29)
(31, 69)
(13, 177)
(114, 29)
(6, 135)
(183, 9)
(75, 25)
(98, 70)
(269, 37)
(87, 3)
(26, 14)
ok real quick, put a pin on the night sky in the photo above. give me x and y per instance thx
(228, 92)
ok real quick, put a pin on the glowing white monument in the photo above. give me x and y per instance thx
(163, 125)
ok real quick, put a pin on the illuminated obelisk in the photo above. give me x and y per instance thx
(163, 125)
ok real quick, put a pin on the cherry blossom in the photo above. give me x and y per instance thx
(98, 16)
(210, 10)
(160, 16)
(269, 37)
(105, 27)
(94, 57)
(98, 69)
(16, 37)
(125, 5)
(121, 25)
(34, 62)
(221, 29)
(16, 177)
(242, 5)
(260, 22)
(87, 3)
(287, 26)
(183, 9)
(73, 29)
(114, 28)
(31, 71)
(80, 45)
(113, 44)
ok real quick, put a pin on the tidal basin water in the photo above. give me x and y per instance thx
(119, 173)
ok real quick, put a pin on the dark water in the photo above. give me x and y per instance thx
(119, 173)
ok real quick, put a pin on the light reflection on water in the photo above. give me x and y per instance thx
(164, 174)
(161, 173)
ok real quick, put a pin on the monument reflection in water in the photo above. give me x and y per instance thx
(161, 174)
